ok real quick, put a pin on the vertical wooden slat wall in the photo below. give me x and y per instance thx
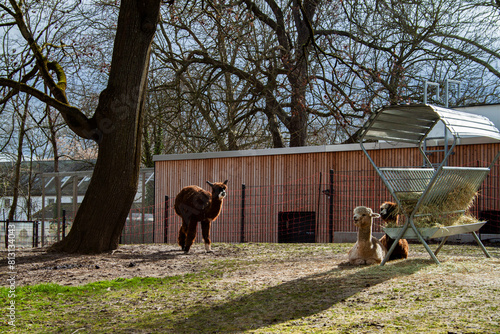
(291, 182)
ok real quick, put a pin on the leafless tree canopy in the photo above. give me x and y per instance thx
(225, 74)
(271, 74)
(232, 75)
(44, 46)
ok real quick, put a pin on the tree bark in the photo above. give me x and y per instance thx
(17, 167)
(119, 117)
(299, 76)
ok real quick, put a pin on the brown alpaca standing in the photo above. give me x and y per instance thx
(389, 214)
(194, 204)
(367, 249)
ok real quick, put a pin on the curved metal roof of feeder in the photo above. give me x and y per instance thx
(412, 123)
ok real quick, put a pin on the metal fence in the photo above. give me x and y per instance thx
(22, 234)
(33, 233)
(312, 209)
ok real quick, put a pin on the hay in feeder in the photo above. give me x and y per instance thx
(441, 209)
(445, 220)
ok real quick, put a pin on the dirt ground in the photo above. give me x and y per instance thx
(252, 281)
(34, 266)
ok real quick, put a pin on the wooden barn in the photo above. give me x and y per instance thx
(305, 194)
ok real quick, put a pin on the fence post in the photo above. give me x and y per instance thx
(330, 208)
(242, 235)
(7, 233)
(63, 224)
(34, 239)
(143, 204)
(42, 232)
(33, 234)
(165, 228)
(320, 185)
(57, 180)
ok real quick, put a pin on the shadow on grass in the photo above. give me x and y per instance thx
(291, 300)
(42, 256)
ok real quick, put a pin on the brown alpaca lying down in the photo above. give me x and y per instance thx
(389, 213)
(367, 249)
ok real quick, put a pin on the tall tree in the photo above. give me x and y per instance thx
(115, 125)
(342, 59)
(201, 45)
(16, 182)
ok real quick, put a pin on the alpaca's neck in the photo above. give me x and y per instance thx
(365, 233)
(216, 202)
(215, 207)
(391, 221)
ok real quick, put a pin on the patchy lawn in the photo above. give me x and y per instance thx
(253, 288)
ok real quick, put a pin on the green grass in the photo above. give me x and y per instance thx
(412, 296)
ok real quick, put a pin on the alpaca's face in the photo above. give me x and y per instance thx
(363, 216)
(221, 192)
(389, 211)
(219, 189)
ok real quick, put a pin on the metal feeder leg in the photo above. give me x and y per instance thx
(440, 245)
(426, 246)
(393, 246)
(481, 245)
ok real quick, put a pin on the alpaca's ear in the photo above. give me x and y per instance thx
(225, 182)
(375, 215)
(210, 183)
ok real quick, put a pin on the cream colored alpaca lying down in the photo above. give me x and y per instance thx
(367, 249)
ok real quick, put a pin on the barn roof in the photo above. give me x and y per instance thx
(412, 123)
(32, 173)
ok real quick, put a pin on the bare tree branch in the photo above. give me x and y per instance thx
(73, 116)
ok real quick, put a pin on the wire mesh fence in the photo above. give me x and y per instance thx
(139, 226)
(311, 209)
(24, 233)
(32, 233)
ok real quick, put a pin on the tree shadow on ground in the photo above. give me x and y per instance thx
(291, 300)
(42, 255)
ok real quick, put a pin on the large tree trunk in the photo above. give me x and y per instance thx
(304, 12)
(103, 212)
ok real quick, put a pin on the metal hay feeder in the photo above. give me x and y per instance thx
(417, 188)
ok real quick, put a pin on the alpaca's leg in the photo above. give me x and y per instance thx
(205, 230)
(359, 262)
(373, 261)
(182, 235)
(191, 235)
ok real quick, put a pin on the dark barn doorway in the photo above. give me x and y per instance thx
(297, 227)
(493, 221)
